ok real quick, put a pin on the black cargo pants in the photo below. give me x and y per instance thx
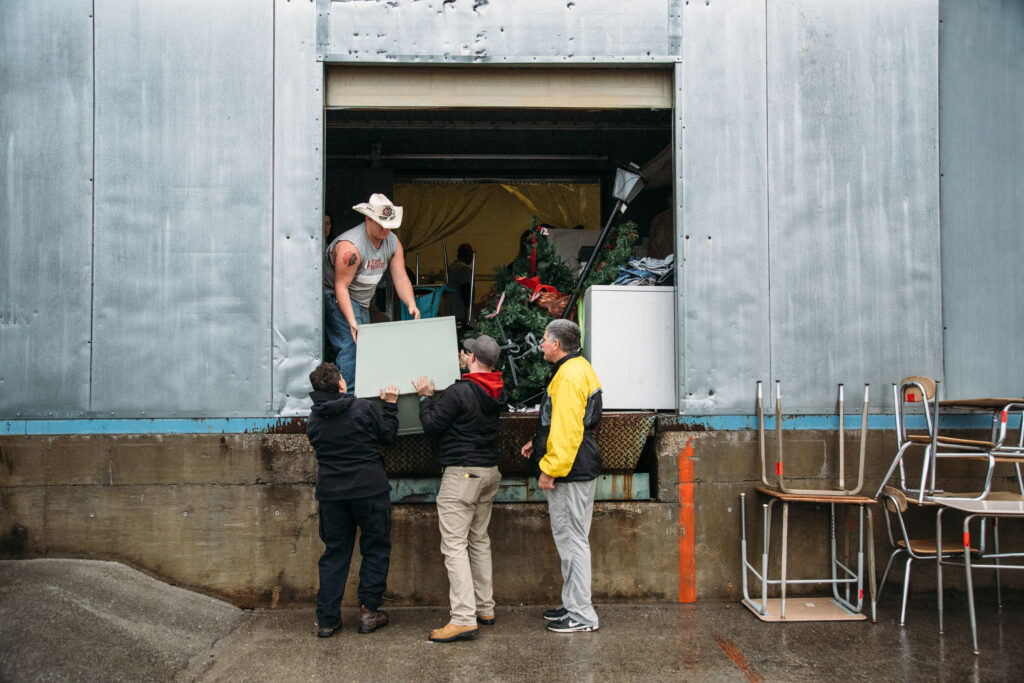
(339, 520)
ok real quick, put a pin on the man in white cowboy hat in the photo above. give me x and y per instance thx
(354, 263)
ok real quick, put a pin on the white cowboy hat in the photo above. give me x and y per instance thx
(380, 209)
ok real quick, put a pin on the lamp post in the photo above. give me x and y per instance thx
(628, 184)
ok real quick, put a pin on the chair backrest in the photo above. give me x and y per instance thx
(911, 392)
(895, 500)
(918, 388)
(894, 504)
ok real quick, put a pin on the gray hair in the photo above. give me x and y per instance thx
(566, 333)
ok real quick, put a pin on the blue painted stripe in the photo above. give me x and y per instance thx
(242, 425)
(231, 425)
(728, 423)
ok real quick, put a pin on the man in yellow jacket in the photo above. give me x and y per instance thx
(569, 463)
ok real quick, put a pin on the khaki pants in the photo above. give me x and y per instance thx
(463, 513)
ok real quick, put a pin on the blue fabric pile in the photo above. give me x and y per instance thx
(647, 271)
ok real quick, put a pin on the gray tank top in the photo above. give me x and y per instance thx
(373, 263)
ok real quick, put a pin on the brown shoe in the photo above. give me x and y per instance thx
(452, 632)
(327, 631)
(371, 620)
(485, 619)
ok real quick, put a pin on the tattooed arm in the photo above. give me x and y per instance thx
(346, 264)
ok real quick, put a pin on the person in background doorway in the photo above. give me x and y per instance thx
(569, 465)
(327, 226)
(464, 422)
(460, 275)
(353, 493)
(354, 263)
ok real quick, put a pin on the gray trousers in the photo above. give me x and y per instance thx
(571, 507)
(463, 513)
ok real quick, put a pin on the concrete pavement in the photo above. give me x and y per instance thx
(66, 620)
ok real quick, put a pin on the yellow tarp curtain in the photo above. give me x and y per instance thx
(436, 210)
(559, 205)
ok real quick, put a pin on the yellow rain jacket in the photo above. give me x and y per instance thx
(570, 412)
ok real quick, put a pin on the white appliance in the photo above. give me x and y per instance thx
(629, 338)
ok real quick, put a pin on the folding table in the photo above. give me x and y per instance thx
(983, 509)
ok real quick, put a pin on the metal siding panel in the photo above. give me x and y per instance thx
(723, 238)
(45, 207)
(981, 91)
(298, 195)
(407, 30)
(184, 115)
(853, 185)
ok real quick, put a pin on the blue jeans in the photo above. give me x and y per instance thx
(339, 336)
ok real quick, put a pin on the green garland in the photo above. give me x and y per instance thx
(617, 251)
(520, 317)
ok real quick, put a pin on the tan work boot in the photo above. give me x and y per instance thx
(371, 620)
(452, 632)
(485, 619)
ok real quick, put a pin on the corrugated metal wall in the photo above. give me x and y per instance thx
(184, 193)
(524, 31)
(184, 282)
(853, 195)
(981, 105)
(181, 283)
(810, 222)
(46, 110)
(724, 312)
(298, 205)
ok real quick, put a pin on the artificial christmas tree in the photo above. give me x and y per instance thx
(522, 303)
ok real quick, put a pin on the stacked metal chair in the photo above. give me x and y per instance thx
(936, 447)
(850, 602)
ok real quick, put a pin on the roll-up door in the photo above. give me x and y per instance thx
(425, 87)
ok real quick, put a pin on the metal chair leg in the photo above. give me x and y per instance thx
(999, 583)
(906, 590)
(888, 566)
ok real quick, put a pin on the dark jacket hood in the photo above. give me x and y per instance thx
(490, 382)
(330, 403)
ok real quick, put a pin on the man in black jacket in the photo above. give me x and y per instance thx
(464, 421)
(353, 491)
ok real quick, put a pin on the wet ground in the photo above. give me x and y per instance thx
(82, 620)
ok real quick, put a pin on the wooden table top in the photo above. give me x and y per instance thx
(980, 403)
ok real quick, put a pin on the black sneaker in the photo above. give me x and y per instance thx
(569, 625)
(556, 614)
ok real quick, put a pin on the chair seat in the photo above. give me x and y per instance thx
(926, 546)
(950, 441)
(936, 498)
(815, 497)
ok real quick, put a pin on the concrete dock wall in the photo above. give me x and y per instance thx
(234, 516)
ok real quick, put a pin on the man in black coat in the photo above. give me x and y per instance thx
(353, 491)
(464, 421)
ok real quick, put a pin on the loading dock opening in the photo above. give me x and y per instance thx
(473, 153)
(509, 143)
